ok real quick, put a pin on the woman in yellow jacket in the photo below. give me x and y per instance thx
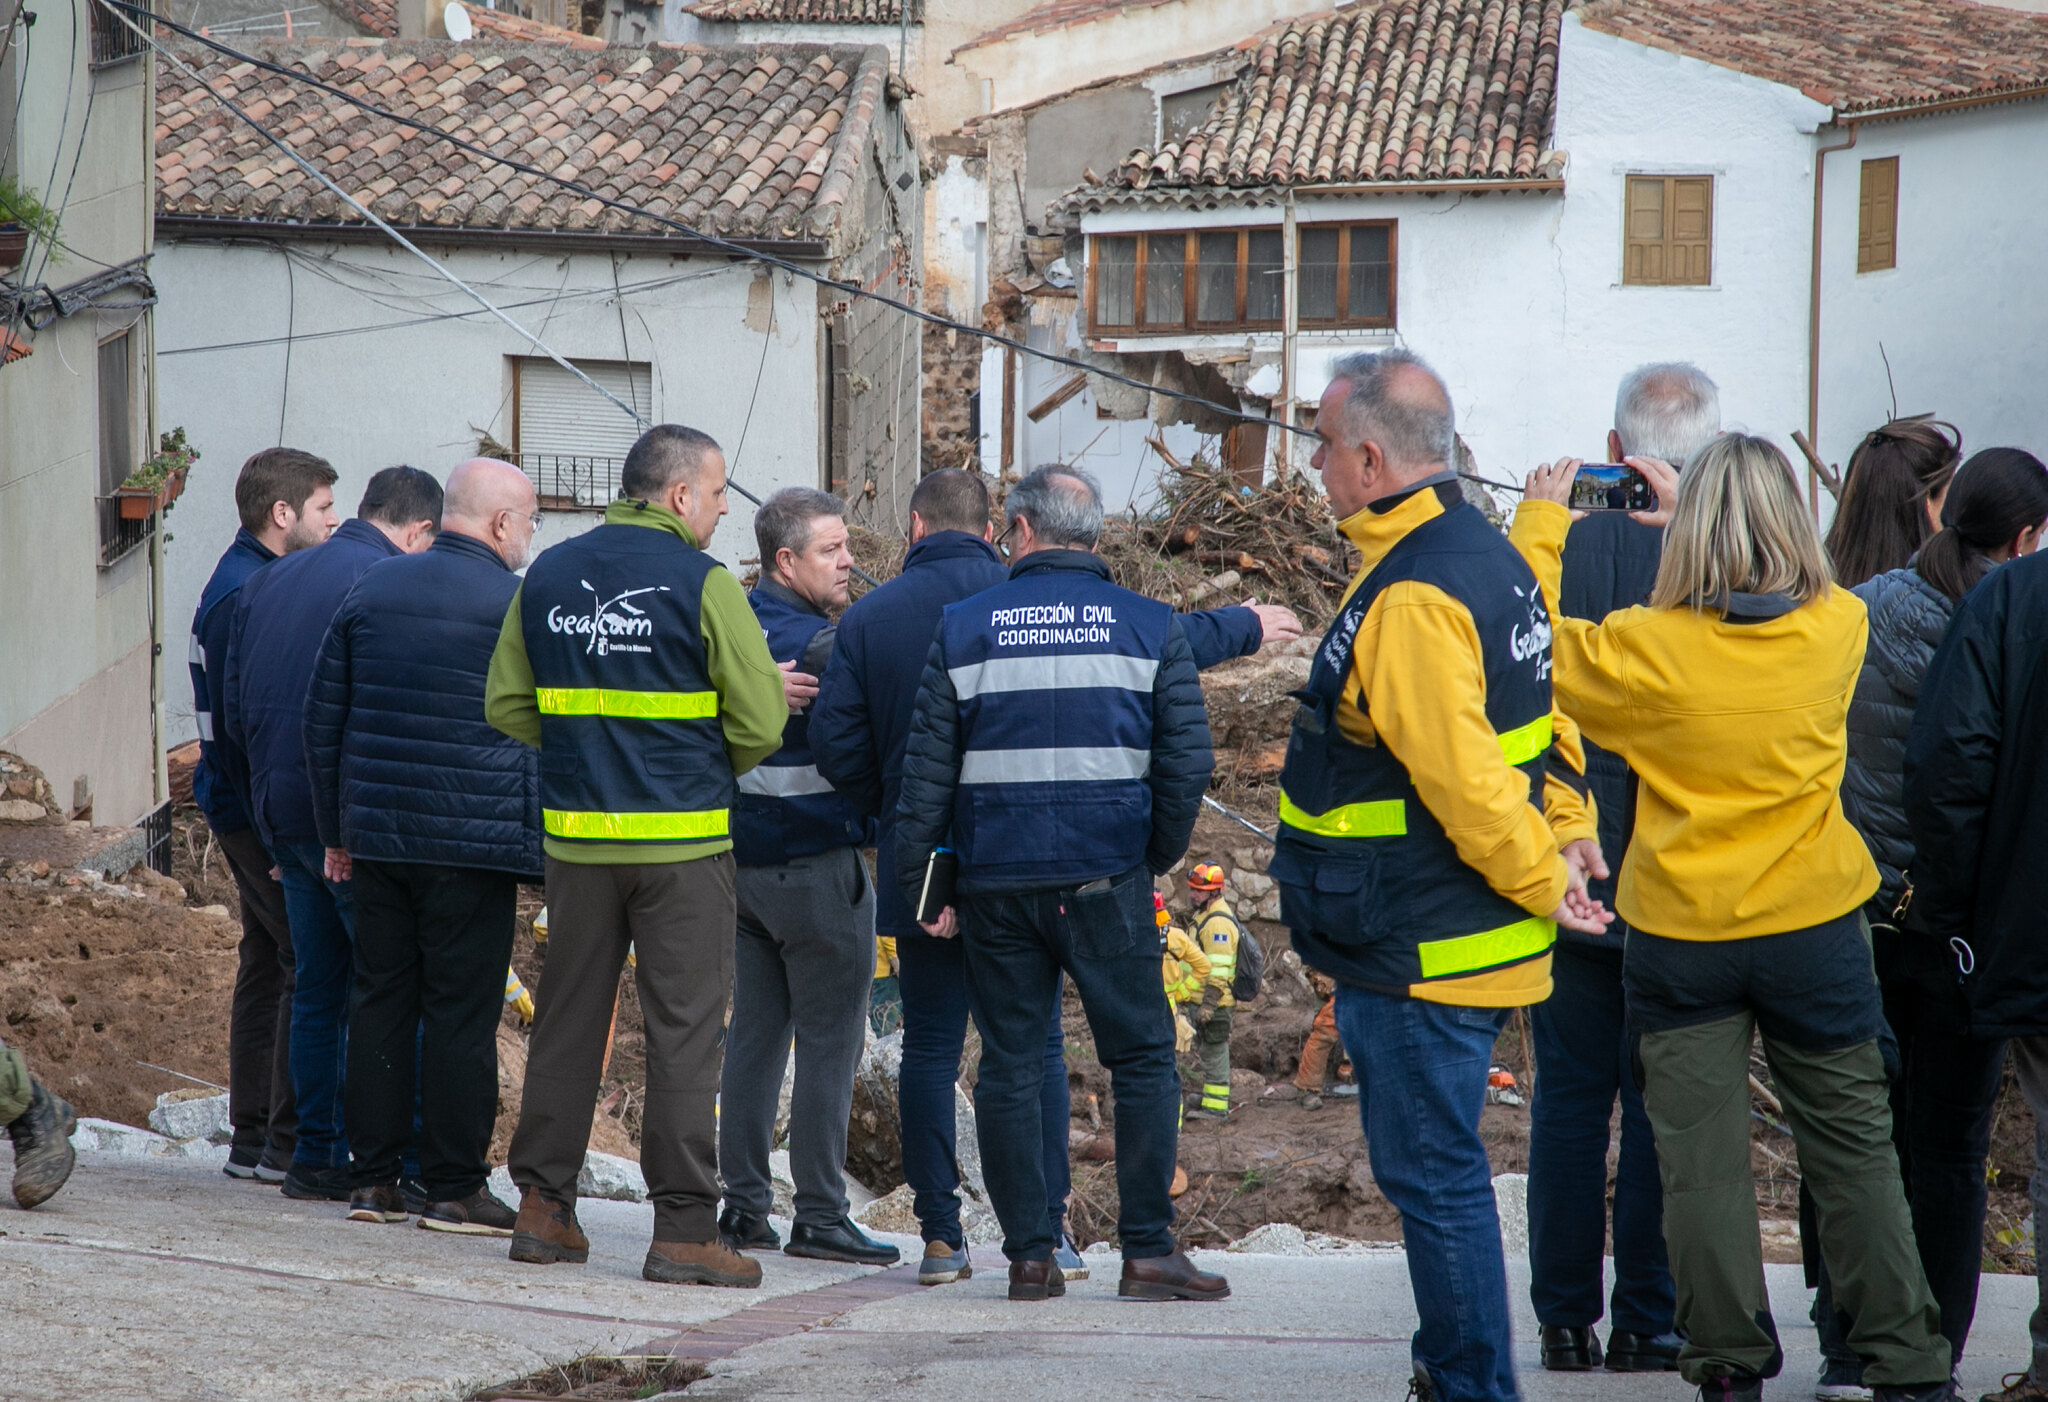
(1728, 694)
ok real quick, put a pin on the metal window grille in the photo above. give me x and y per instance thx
(573, 481)
(119, 537)
(156, 836)
(112, 41)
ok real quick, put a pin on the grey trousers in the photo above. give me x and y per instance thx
(803, 963)
(679, 916)
(2030, 1064)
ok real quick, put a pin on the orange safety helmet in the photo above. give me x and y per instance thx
(1159, 911)
(1205, 876)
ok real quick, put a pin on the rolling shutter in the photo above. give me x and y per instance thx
(560, 415)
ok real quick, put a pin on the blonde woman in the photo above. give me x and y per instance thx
(1728, 694)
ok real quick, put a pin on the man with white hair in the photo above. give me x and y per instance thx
(1664, 412)
(435, 817)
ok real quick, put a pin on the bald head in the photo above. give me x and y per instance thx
(493, 502)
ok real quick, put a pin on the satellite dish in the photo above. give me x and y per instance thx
(457, 20)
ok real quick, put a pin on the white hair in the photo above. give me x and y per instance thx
(1668, 410)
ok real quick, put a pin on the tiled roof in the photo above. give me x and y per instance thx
(13, 347)
(1854, 55)
(380, 17)
(762, 142)
(1411, 90)
(808, 11)
(1058, 14)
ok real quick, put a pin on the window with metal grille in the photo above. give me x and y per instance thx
(1668, 231)
(1877, 216)
(119, 535)
(1232, 279)
(570, 439)
(112, 41)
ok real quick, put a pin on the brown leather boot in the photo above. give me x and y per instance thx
(1172, 1277)
(1036, 1280)
(547, 1232)
(700, 1263)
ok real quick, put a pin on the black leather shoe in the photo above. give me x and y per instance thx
(746, 1231)
(1642, 1353)
(842, 1241)
(1570, 1350)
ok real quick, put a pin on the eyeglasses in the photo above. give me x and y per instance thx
(1003, 540)
(533, 516)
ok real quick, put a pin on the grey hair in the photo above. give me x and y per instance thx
(783, 522)
(1063, 504)
(1410, 434)
(1669, 410)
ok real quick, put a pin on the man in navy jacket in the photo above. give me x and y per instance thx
(280, 620)
(285, 499)
(804, 953)
(434, 817)
(858, 730)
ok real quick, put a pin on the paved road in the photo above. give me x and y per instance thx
(168, 1281)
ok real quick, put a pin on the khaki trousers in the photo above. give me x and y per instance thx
(16, 1087)
(679, 917)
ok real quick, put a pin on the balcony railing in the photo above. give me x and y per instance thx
(113, 41)
(119, 536)
(573, 481)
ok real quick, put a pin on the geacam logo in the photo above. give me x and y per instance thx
(610, 623)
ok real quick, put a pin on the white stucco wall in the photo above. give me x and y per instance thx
(1517, 298)
(420, 393)
(1962, 316)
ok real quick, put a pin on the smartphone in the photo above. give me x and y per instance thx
(1611, 486)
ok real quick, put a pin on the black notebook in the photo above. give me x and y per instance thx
(940, 873)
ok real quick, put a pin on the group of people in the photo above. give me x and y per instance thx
(1671, 778)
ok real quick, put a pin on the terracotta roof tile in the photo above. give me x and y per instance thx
(1410, 90)
(1854, 55)
(808, 11)
(756, 142)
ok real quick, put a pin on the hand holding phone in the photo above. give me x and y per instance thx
(1611, 486)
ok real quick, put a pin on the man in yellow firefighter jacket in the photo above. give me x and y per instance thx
(1434, 831)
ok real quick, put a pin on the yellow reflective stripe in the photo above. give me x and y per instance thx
(1384, 818)
(1525, 742)
(636, 827)
(1488, 949)
(637, 705)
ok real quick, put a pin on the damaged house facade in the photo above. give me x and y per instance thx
(287, 319)
(1537, 197)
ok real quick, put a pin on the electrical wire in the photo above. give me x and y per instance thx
(291, 323)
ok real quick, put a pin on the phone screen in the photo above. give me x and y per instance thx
(1611, 486)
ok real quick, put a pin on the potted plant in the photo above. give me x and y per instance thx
(153, 486)
(22, 217)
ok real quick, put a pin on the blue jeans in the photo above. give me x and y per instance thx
(1017, 944)
(1421, 1071)
(323, 940)
(1583, 1061)
(932, 984)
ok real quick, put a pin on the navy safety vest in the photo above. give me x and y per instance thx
(631, 749)
(786, 809)
(1053, 670)
(1370, 883)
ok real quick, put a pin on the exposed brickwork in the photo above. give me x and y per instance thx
(952, 373)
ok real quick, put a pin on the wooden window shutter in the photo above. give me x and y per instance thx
(1877, 218)
(1643, 231)
(1692, 231)
(1668, 231)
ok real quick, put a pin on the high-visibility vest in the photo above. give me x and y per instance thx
(631, 749)
(1370, 883)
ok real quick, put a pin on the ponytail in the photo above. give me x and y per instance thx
(1996, 494)
(1882, 519)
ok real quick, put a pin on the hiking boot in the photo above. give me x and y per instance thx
(479, 1214)
(1199, 1113)
(1036, 1280)
(1739, 1387)
(1067, 1256)
(381, 1202)
(944, 1263)
(546, 1232)
(1310, 1100)
(1420, 1388)
(1172, 1277)
(1570, 1350)
(747, 1231)
(307, 1184)
(700, 1263)
(1841, 1381)
(842, 1241)
(1642, 1353)
(43, 1156)
(2018, 1387)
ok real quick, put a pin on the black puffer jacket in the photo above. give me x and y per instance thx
(1908, 618)
(1977, 805)
(403, 764)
